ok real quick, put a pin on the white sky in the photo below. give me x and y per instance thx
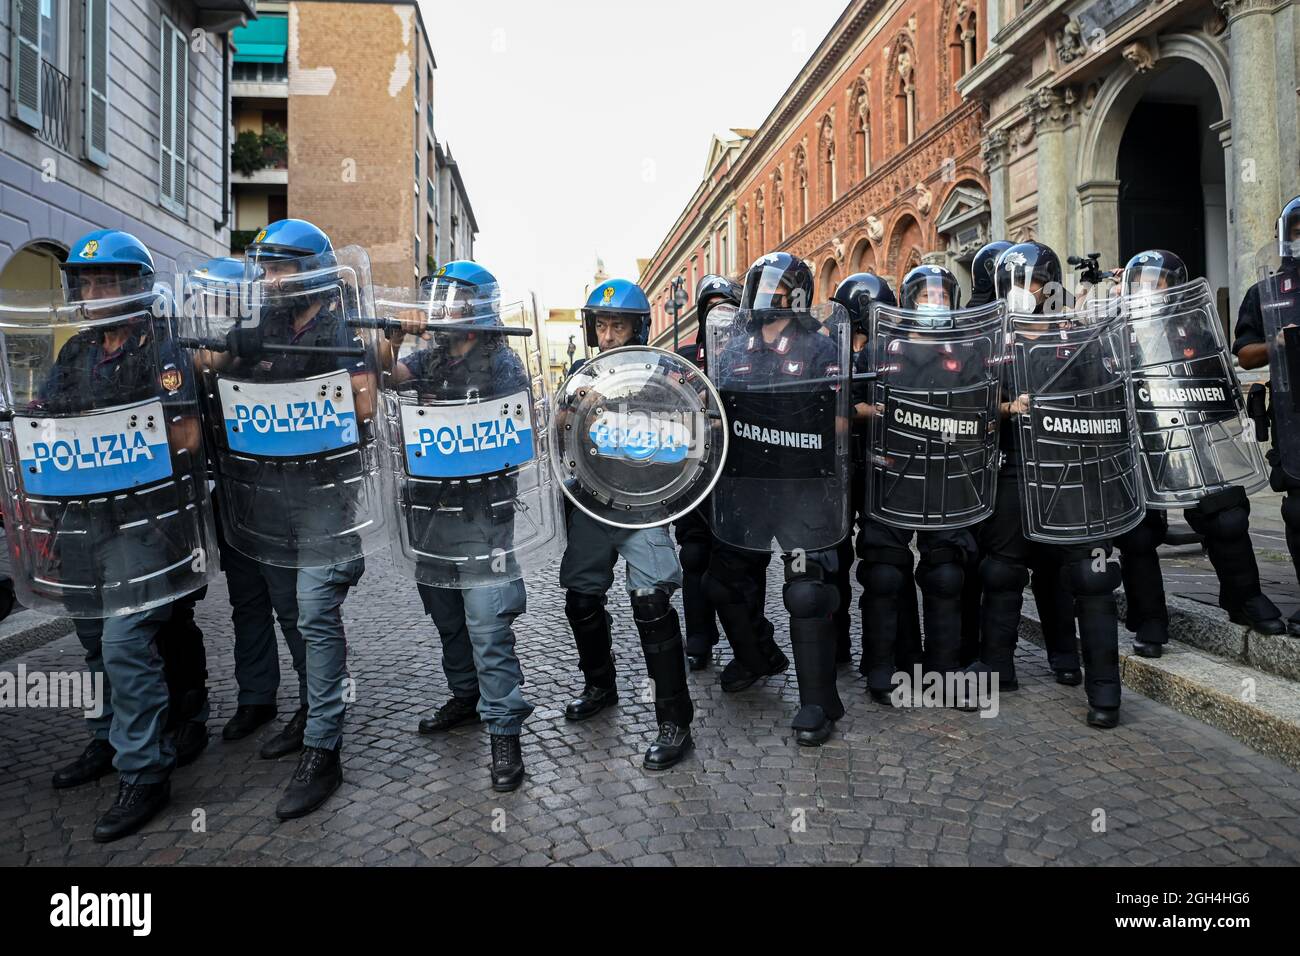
(582, 127)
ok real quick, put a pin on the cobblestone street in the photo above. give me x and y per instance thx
(906, 787)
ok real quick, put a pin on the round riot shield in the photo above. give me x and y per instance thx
(105, 498)
(1191, 415)
(934, 415)
(288, 377)
(784, 380)
(466, 451)
(1279, 301)
(1080, 480)
(640, 437)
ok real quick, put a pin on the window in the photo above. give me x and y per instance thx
(173, 120)
(724, 263)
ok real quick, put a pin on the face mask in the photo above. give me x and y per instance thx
(931, 307)
(1021, 301)
(1290, 249)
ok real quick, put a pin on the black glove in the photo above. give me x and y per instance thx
(244, 341)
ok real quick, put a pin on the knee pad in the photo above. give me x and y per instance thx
(1229, 523)
(943, 580)
(695, 557)
(886, 580)
(582, 607)
(1084, 579)
(1291, 512)
(998, 574)
(1144, 539)
(650, 605)
(808, 594)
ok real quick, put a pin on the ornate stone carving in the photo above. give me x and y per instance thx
(993, 147)
(1141, 54)
(1214, 23)
(875, 230)
(1048, 109)
(837, 246)
(1069, 42)
(924, 199)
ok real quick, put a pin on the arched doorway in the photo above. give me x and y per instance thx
(33, 267)
(830, 279)
(1177, 201)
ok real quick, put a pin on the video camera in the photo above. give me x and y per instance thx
(1089, 268)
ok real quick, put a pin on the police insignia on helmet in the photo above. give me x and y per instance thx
(92, 248)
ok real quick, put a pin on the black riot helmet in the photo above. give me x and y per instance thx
(857, 292)
(981, 271)
(1288, 231)
(1024, 272)
(930, 288)
(713, 290)
(1152, 270)
(778, 282)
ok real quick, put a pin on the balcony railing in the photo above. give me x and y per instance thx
(260, 73)
(56, 106)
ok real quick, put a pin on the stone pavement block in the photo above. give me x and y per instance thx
(895, 787)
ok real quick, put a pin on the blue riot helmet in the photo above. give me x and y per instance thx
(463, 291)
(111, 266)
(857, 292)
(618, 298)
(291, 248)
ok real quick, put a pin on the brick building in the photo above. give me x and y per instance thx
(350, 86)
(870, 161)
(114, 117)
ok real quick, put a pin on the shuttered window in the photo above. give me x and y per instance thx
(25, 56)
(96, 82)
(173, 125)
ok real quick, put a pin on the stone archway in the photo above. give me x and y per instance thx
(1196, 56)
(828, 279)
(34, 267)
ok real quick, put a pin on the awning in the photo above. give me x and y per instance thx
(262, 41)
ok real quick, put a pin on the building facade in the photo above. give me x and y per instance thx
(335, 102)
(870, 161)
(115, 117)
(1120, 125)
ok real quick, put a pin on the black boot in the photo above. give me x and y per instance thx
(191, 740)
(1261, 615)
(813, 643)
(457, 711)
(136, 805)
(591, 632)
(1099, 637)
(661, 642)
(507, 763)
(95, 761)
(672, 744)
(755, 654)
(1104, 718)
(319, 774)
(883, 585)
(699, 652)
(288, 740)
(1293, 624)
(248, 717)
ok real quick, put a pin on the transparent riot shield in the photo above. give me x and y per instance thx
(1080, 479)
(1279, 301)
(640, 437)
(105, 497)
(466, 449)
(289, 381)
(934, 428)
(784, 380)
(1191, 414)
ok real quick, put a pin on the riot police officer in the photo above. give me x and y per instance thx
(105, 365)
(1029, 277)
(1278, 293)
(617, 313)
(469, 357)
(891, 628)
(253, 613)
(692, 529)
(301, 332)
(782, 358)
(1221, 517)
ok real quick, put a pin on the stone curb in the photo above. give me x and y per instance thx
(1260, 709)
(25, 630)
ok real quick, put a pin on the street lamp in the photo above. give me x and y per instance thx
(676, 303)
